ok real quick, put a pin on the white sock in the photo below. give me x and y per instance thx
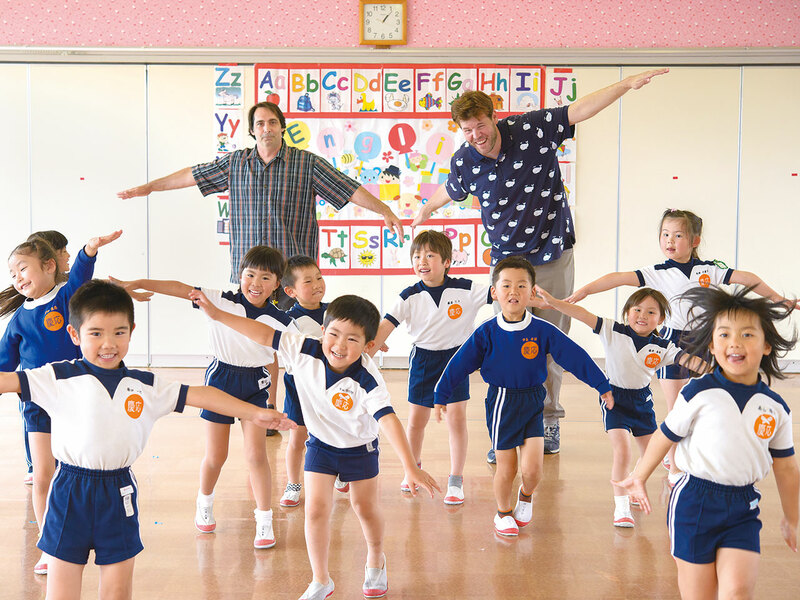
(263, 515)
(622, 503)
(204, 500)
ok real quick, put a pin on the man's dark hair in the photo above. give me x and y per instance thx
(359, 311)
(270, 106)
(471, 105)
(293, 265)
(99, 296)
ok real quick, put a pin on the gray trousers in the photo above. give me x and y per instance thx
(558, 278)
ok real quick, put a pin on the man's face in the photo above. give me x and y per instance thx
(267, 130)
(482, 134)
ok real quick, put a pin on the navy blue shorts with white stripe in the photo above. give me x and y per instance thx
(90, 509)
(673, 371)
(291, 403)
(633, 410)
(250, 384)
(424, 370)
(350, 464)
(704, 516)
(514, 415)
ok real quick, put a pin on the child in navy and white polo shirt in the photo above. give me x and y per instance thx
(728, 427)
(511, 352)
(633, 352)
(680, 233)
(238, 369)
(439, 312)
(344, 402)
(36, 334)
(302, 281)
(102, 413)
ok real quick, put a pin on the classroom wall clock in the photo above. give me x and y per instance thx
(382, 23)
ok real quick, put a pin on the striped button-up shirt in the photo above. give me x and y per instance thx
(274, 204)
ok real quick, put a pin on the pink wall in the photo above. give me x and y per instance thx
(432, 23)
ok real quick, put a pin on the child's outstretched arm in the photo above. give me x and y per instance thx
(261, 333)
(571, 310)
(384, 331)
(787, 476)
(656, 450)
(604, 283)
(393, 429)
(217, 401)
(96, 242)
(159, 286)
(752, 280)
(9, 382)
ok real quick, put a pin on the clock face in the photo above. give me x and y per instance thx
(383, 22)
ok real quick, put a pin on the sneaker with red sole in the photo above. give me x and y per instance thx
(265, 538)
(291, 497)
(506, 526)
(375, 582)
(28, 479)
(523, 511)
(318, 591)
(623, 518)
(454, 495)
(41, 567)
(204, 518)
(341, 486)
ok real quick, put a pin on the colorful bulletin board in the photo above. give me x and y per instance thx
(389, 127)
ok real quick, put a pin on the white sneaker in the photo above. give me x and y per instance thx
(523, 511)
(375, 581)
(454, 495)
(290, 498)
(405, 488)
(28, 479)
(41, 567)
(341, 486)
(506, 526)
(265, 538)
(204, 518)
(665, 463)
(623, 518)
(318, 591)
(673, 479)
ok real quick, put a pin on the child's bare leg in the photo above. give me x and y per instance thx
(737, 571)
(319, 502)
(697, 582)
(255, 456)
(294, 454)
(621, 462)
(364, 499)
(116, 580)
(641, 442)
(63, 579)
(504, 478)
(418, 417)
(44, 465)
(671, 387)
(531, 463)
(217, 436)
(457, 428)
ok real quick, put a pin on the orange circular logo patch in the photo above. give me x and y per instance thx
(530, 350)
(765, 426)
(704, 280)
(454, 311)
(134, 405)
(342, 401)
(652, 360)
(53, 321)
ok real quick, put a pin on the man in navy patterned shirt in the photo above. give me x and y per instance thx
(273, 189)
(511, 167)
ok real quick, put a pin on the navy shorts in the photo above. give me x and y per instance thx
(424, 370)
(95, 510)
(704, 516)
(633, 410)
(36, 418)
(514, 415)
(673, 371)
(350, 464)
(250, 384)
(291, 403)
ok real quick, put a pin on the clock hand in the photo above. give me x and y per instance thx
(386, 17)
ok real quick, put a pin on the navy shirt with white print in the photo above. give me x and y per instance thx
(523, 203)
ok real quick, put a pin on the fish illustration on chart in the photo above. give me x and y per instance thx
(428, 101)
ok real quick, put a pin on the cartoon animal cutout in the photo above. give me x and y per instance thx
(460, 258)
(369, 175)
(366, 105)
(333, 255)
(335, 101)
(408, 204)
(428, 101)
